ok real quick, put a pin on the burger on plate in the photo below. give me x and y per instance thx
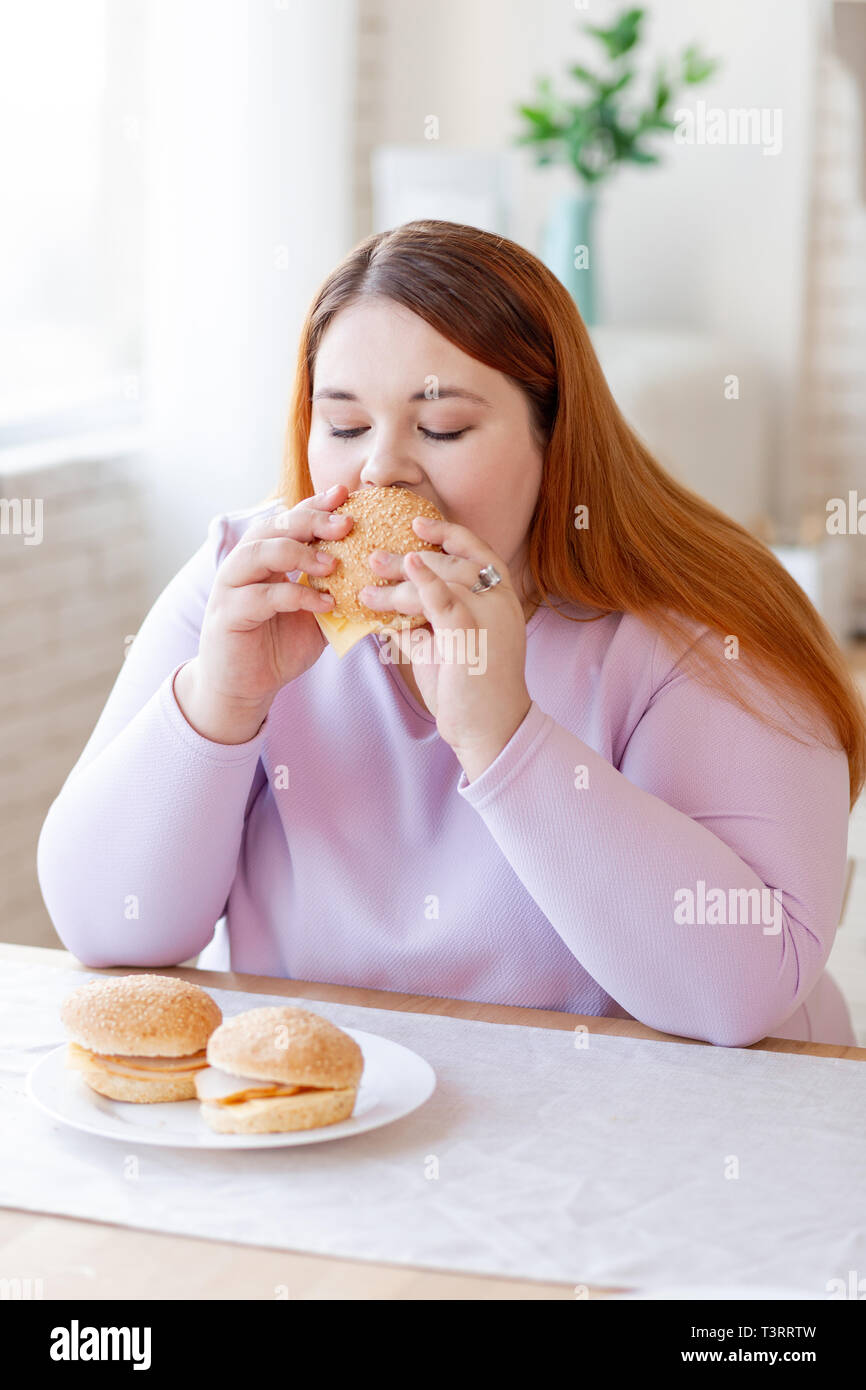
(278, 1068)
(139, 1037)
(383, 521)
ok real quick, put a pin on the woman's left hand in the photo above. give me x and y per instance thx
(471, 669)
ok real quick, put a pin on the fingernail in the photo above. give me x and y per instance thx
(332, 490)
(323, 555)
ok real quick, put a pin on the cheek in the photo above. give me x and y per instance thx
(487, 516)
(496, 502)
(324, 464)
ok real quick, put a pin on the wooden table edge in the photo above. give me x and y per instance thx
(418, 1003)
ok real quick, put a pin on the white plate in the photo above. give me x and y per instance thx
(395, 1081)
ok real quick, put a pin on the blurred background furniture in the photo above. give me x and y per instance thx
(669, 383)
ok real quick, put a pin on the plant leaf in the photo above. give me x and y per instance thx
(695, 67)
(596, 133)
(622, 36)
(541, 121)
(637, 156)
(607, 89)
(662, 90)
(583, 75)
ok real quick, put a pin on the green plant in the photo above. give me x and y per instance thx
(600, 131)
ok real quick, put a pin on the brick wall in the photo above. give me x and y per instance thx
(833, 386)
(66, 605)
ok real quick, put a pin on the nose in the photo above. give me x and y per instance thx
(397, 475)
(389, 466)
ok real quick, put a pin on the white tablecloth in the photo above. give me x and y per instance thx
(599, 1165)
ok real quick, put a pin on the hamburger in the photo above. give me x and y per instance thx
(278, 1068)
(139, 1037)
(383, 521)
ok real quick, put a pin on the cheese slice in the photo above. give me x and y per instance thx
(140, 1068)
(219, 1087)
(342, 633)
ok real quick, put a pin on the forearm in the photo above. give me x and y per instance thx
(138, 852)
(611, 867)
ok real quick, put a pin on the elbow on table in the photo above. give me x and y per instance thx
(743, 1035)
(104, 940)
(121, 955)
(743, 1030)
(94, 948)
(747, 1028)
(742, 1023)
(751, 1008)
(103, 946)
(91, 960)
(106, 943)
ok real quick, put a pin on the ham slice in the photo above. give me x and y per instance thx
(190, 1063)
(82, 1059)
(212, 1085)
(222, 1088)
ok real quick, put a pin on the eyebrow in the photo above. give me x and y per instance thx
(332, 394)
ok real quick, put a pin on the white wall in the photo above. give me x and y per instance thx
(249, 150)
(715, 239)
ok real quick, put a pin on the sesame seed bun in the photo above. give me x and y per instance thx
(307, 1110)
(383, 521)
(288, 1045)
(140, 1016)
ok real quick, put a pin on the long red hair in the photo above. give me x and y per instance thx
(652, 547)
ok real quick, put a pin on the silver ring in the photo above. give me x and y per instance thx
(487, 579)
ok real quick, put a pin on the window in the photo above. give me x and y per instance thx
(71, 232)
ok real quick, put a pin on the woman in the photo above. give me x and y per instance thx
(637, 808)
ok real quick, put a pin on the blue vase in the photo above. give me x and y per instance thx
(569, 250)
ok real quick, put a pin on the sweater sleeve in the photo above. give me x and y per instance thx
(645, 870)
(138, 851)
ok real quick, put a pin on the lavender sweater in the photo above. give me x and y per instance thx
(583, 870)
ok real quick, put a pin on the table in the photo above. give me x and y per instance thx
(91, 1260)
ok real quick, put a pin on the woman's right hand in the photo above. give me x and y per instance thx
(259, 632)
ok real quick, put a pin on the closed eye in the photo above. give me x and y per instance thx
(452, 434)
(429, 434)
